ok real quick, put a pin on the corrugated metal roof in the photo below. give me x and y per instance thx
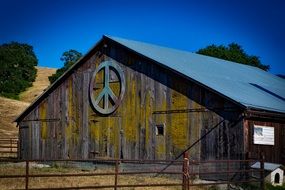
(267, 166)
(247, 85)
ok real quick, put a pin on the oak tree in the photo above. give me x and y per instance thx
(233, 52)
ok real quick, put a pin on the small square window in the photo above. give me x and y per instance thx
(159, 129)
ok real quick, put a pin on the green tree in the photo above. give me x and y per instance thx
(17, 68)
(69, 58)
(233, 52)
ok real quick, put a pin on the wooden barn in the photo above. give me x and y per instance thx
(133, 100)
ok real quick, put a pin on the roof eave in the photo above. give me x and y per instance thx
(252, 112)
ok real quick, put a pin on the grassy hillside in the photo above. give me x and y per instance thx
(10, 109)
(39, 85)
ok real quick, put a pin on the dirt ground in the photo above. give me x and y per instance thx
(53, 182)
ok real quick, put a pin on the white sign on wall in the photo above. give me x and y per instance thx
(263, 135)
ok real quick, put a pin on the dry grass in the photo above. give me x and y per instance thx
(10, 109)
(40, 84)
(49, 182)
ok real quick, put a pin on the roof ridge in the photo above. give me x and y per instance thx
(182, 51)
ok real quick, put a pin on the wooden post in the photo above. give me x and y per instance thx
(116, 174)
(228, 174)
(262, 171)
(18, 149)
(11, 145)
(247, 165)
(185, 170)
(188, 173)
(27, 175)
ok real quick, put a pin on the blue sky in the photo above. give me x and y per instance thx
(54, 26)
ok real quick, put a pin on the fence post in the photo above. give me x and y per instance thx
(27, 175)
(228, 174)
(246, 165)
(185, 170)
(262, 171)
(18, 149)
(11, 144)
(116, 174)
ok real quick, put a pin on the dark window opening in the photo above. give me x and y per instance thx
(160, 129)
(277, 178)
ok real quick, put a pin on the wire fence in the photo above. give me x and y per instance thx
(185, 173)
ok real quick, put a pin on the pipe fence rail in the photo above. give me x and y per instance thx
(227, 172)
(8, 147)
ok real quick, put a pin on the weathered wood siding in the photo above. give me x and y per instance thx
(69, 128)
(273, 153)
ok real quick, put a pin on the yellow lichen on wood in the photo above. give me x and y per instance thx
(94, 130)
(160, 150)
(76, 124)
(179, 130)
(117, 138)
(147, 119)
(43, 115)
(93, 126)
(103, 130)
(114, 135)
(160, 119)
(179, 122)
(68, 129)
(130, 123)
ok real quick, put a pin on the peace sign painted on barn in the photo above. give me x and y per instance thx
(106, 101)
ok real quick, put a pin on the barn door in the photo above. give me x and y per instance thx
(114, 137)
(24, 142)
(107, 138)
